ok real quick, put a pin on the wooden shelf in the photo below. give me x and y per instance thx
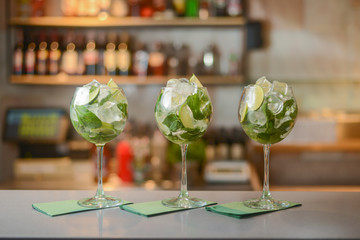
(64, 79)
(127, 22)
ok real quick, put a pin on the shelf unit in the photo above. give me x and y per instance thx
(127, 22)
(64, 79)
(123, 22)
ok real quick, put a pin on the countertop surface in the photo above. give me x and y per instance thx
(323, 215)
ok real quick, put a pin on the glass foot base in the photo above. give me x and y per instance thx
(100, 202)
(186, 202)
(266, 204)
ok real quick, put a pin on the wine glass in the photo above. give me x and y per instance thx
(98, 113)
(183, 112)
(267, 113)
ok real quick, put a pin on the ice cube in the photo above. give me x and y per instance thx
(93, 83)
(275, 103)
(104, 94)
(82, 96)
(257, 118)
(280, 87)
(109, 112)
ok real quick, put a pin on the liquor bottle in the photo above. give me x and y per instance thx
(54, 55)
(91, 55)
(18, 54)
(69, 61)
(140, 60)
(234, 8)
(156, 60)
(146, 8)
(110, 55)
(179, 6)
(204, 9)
(134, 8)
(159, 7)
(210, 60)
(42, 58)
(119, 8)
(123, 55)
(192, 8)
(220, 8)
(30, 58)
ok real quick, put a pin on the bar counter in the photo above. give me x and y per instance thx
(323, 215)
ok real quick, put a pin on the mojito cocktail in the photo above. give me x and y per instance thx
(267, 113)
(98, 113)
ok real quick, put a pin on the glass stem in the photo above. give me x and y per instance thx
(266, 190)
(183, 192)
(100, 191)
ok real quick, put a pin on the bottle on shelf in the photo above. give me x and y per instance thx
(146, 8)
(179, 7)
(234, 8)
(18, 54)
(222, 146)
(211, 60)
(70, 58)
(91, 56)
(119, 8)
(42, 55)
(157, 59)
(30, 58)
(192, 8)
(54, 55)
(110, 55)
(134, 8)
(220, 8)
(140, 60)
(123, 58)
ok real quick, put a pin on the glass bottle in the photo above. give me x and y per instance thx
(18, 54)
(123, 58)
(157, 60)
(42, 58)
(30, 58)
(91, 57)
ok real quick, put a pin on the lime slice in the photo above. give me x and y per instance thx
(94, 93)
(112, 84)
(242, 111)
(115, 90)
(264, 83)
(195, 80)
(255, 97)
(186, 116)
(280, 87)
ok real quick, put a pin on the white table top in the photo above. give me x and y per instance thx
(323, 215)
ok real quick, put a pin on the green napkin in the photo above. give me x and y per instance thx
(149, 209)
(239, 210)
(62, 207)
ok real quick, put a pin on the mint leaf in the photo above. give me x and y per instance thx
(123, 108)
(87, 118)
(200, 105)
(173, 122)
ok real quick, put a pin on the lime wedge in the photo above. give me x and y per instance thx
(242, 111)
(112, 84)
(115, 90)
(195, 80)
(186, 116)
(280, 87)
(255, 97)
(94, 93)
(264, 83)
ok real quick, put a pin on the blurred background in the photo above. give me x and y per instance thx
(49, 47)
